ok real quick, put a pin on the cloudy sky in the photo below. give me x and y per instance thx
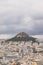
(21, 15)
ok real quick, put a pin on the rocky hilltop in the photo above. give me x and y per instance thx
(22, 37)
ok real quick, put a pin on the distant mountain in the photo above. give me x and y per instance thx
(22, 37)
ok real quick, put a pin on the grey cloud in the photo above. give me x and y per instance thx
(17, 16)
(37, 17)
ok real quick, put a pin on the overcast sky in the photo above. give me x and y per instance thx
(21, 15)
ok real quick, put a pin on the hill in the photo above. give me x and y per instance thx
(22, 37)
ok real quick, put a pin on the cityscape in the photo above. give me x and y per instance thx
(21, 52)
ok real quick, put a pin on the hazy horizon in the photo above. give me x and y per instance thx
(6, 36)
